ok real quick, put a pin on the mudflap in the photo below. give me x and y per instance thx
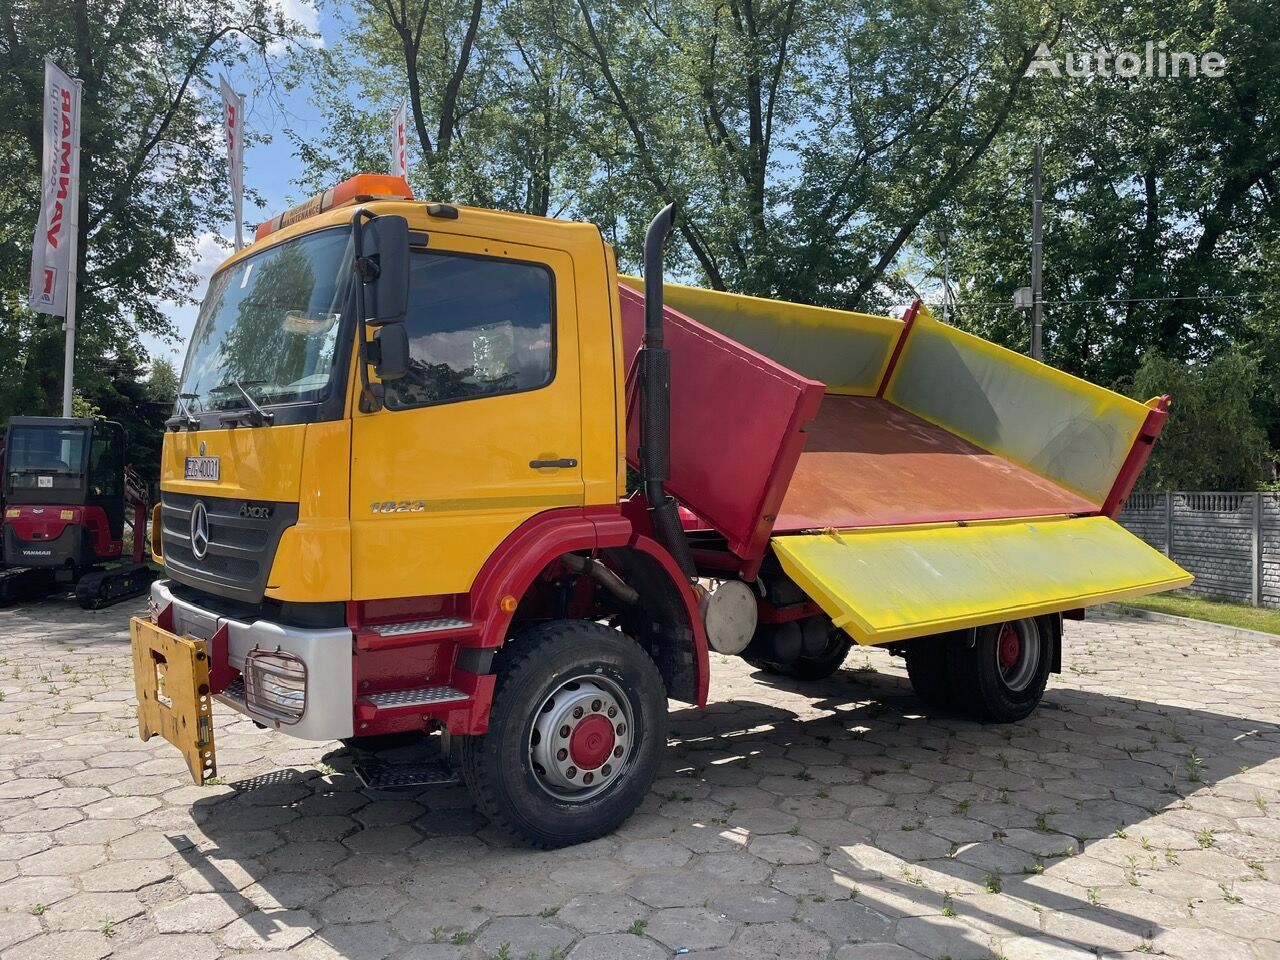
(171, 676)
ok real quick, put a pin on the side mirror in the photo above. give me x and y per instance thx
(392, 351)
(383, 264)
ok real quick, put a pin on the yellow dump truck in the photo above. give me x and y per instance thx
(394, 500)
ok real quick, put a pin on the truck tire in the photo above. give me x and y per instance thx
(576, 733)
(1002, 675)
(927, 668)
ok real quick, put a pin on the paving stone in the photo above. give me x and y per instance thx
(778, 941)
(847, 921)
(783, 848)
(616, 947)
(269, 930)
(940, 936)
(200, 913)
(17, 927)
(755, 904)
(602, 913)
(690, 928)
(1043, 948)
(92, 911)
(174, 946)
(875, 951)
(523, 936)
(63, 946)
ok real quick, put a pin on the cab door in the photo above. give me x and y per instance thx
(485, 430)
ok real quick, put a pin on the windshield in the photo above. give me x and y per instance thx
(269, 326)
(48, 458)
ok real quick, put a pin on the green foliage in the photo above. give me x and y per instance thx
(150, 126)
(1212, 441)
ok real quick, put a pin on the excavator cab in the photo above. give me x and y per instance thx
(67, 494)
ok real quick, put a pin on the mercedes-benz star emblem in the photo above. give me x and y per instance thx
(199, 530)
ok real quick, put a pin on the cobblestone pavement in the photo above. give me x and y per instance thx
(1137, 812)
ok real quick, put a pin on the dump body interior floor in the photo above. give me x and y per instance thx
(869, 463)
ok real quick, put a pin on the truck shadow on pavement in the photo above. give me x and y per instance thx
(834, 814)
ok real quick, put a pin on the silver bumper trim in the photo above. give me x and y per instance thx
(327, 653)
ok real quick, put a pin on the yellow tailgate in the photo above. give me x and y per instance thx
(891, 583)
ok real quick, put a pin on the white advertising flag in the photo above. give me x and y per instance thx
(54, 251)
(233, 115)
(399, 152)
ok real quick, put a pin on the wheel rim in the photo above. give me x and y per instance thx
(581, 738)
(1018, 654)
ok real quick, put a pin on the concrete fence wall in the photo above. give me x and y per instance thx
(1230, 541)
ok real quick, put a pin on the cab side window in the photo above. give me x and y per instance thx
(478, 327)
(106, 462)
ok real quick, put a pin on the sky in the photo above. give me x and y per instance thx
(269, 168)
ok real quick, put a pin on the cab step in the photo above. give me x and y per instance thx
(418, 697)
(387, 636)
(402, 761)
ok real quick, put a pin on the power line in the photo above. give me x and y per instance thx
(960, 304)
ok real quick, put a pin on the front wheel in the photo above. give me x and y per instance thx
(576, 732)
(1002, 674)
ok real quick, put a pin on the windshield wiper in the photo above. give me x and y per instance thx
(184, 418)
(255, 415)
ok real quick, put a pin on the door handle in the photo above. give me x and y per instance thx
(542, 464)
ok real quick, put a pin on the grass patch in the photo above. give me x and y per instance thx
(1232, 614)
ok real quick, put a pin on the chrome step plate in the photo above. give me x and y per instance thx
(420, 626)
(420, 697)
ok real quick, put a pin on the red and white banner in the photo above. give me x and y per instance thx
(52, 254)
(399, 152)
(233, 115)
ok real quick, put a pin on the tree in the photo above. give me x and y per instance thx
(1212, 441)
(1161, 193)
(150, 124)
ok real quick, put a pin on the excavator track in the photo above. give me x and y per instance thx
(105, 587)
(26, 583)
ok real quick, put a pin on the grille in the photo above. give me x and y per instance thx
(241, 547)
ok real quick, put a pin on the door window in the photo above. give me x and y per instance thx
(478, 327)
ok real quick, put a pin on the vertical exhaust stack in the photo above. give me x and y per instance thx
(655, 396)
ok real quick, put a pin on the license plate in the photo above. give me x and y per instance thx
(202, 468)
(171, 678)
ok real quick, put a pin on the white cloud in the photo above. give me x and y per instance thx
(305, 13)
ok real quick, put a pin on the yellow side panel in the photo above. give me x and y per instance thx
(885, 584)
(849, 352)
(1073, 432)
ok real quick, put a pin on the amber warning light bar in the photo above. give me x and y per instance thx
(360, 188)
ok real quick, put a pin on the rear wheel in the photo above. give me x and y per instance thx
(1002, 675)
(576, 732)
(927, 667)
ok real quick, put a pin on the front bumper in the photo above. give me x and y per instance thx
(326, 654)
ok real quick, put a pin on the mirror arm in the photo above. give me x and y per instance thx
(370, 401)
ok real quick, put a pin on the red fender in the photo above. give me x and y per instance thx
(513, 566)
